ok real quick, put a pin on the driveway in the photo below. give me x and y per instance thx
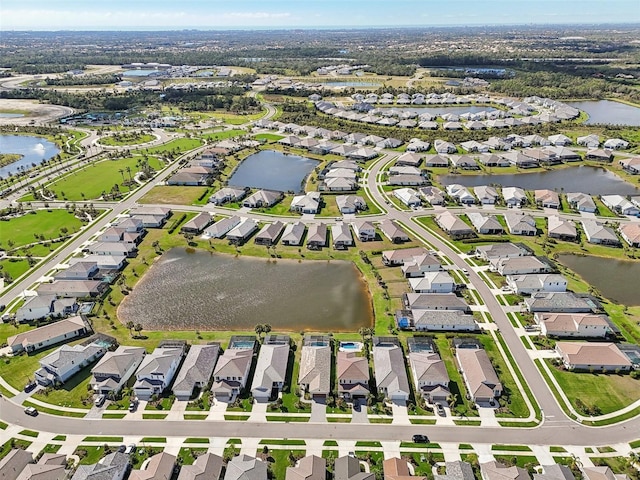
(318, 410)
(359, 413)
(400, 413)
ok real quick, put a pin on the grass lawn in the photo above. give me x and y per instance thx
(103, 439)
(126, 138)
(222, 135)
(188, 455)
(608, 392)
(13, 443)
(154, 440)
(73, 393)
(233, 119)
(279, 461)
(90, 181)
(173, 195)
(174, 146)
(51, 448)
(45, 223)
(268, 137)
(14, 267)
(522, 461)
(89, 455)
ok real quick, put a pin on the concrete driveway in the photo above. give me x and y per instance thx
(359, 412)
(400, 413)
(318, 410)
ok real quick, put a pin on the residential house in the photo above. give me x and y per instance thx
(520, 265)
(436, 161)
(159, 467)
(486, 195)
(581, 202)
(600, 155)
(113, 466)
(485, 224)
(104, 262)
(408, 196)
(599, 234)
(443, 147)
(350, 204)
(262, 199)
(73, 288)
(434, 301)
(271, 368)
(119, 234)
(392, 258)
(630, 233)
(420, 265)
(514, 196)
(433, 282)
(493, 160)
(197, 224)
(151, 217)
(156, 371)
(582, 325)
(528, 284)
(222, 227)
(315, 366)
(407, 180)
(442, 321)
(390, 371)
(393, 232)
(452, 225)
(602, 357)
(241, 232)
(47, 335)
(555, 472)
(398, 469)
(602, 473)
(79, 271)
(495, 470)
(433, 195)
(560, 140)
(457, 470)
(409, 159)
(561, 154)
(232, 370)
(620, 205)
(64, 362)
(631, 165)
(113, 248)
(364, 230)
(616, 144)
(430, 376)
(207, 466)
(479, 376)
(317, 236)
(561, 228)
(519, 160)
(404, 170)
(115, 369)
(348, 468)
(461, 194)
(293, 234)
(50, 466)
(520, 224)
(14, 462)
(42, 306)
(547, 198)
(306, 204)
(196, 370)
(269, 234)
(352, 375)
(589, 141)
(341, 234)
(464, 162)
(560, 302)
(310, 467)
(227, 195)
(339, 184)
(501, 250)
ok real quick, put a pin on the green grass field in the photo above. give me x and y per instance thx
(92, 180)
(14, 267)
(222, 135)
(176, 146)
(608, 392)
(21, 230)
(173, 195)
(126, 138)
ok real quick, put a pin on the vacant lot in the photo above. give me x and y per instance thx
(173, 195)
(47, 223)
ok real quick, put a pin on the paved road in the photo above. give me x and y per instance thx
(550, 434)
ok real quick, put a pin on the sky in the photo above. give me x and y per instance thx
(248, 14)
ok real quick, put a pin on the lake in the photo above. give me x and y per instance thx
(607, 111)
(273, 170)
(583, 178)
(617, 280)
(210, 291)
(32, 149)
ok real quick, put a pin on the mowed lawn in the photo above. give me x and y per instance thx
(21, 230)
(96, 178)
(608, 392)
(177, 146)
(173, 195)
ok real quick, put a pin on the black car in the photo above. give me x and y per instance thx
(30, 386)
(420, 439)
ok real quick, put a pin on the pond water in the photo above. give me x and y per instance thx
(607, 111)
(617, 280)
(583, 178)
(141, 73)
(441, 110)
(11, 115)
(273, 170)
(32, 149)
(187, 290)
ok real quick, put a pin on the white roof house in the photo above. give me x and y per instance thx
(408, 196)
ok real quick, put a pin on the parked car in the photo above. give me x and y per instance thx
(122, 448)
(30, 386)
(440, 410)
(31, 411)
(420, 439)
(99, 400)
(130, 448)
(133, 405)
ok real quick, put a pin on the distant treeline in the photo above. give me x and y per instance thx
(69, 80)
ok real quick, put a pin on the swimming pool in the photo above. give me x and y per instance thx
(350, 346)
(242, 344)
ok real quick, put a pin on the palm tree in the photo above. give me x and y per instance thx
(138, 328)
(259, 329)
(266, 328)
(130, 325)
